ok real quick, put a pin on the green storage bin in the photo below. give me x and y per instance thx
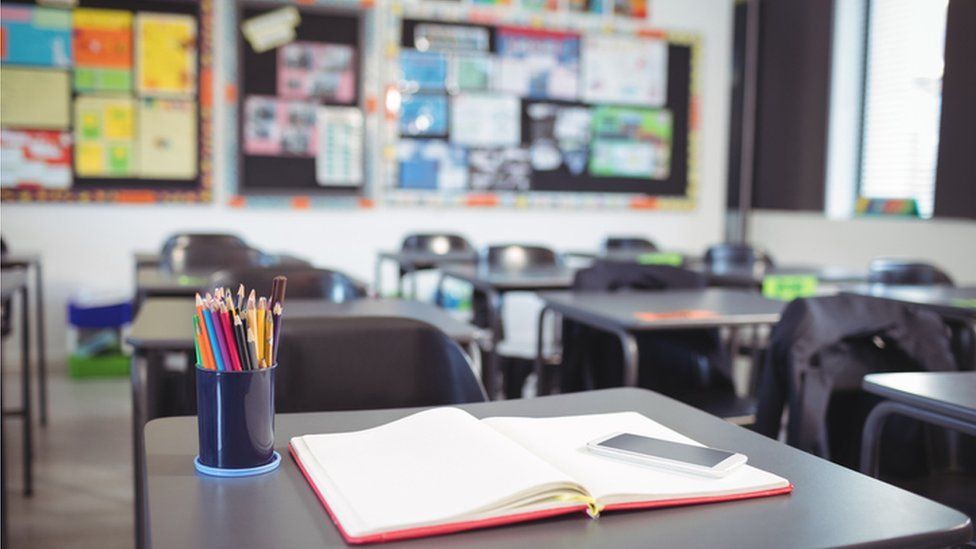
(108, 365)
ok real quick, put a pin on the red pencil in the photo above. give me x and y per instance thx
(229, 336)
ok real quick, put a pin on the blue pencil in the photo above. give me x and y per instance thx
(218, 356)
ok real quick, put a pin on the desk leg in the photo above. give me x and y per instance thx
(631, 360)
(492, 371)
(413, 283)
(439, 291)
(542, 380)
(378, 277)
(138, 417)
(3, 468)
(26, 389)
(41, 349)
(871, 436)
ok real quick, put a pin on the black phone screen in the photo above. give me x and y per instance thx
(705, 457)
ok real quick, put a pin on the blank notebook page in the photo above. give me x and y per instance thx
(427, 468)
(562, 442)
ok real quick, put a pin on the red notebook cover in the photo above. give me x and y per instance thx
(425, 531)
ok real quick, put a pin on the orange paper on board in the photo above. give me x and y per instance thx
(687, 314)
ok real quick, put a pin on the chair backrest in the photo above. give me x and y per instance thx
(628, 244)
(346, 363)
(609, 276)
(207, 259)
(898, 271)
(303, 283)
(732, 256)
(185, 240)
(435, 243)
(514, 257)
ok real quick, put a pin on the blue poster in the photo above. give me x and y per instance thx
(423, 115)
(421, 71)
(432, 164)
(35, 36)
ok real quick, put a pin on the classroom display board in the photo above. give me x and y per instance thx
(507, 107)
(105, 101)
(300, 122)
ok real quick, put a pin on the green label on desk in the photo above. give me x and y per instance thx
(789, 287)
(967, 303)
(661, 258)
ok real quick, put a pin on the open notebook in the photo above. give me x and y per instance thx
(443, 470)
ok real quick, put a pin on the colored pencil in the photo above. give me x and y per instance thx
(252, 346)
(277, 332)
(229, 337)
(214, 342)
(221, 339)
(268, 337)
(259, 332)
(196, 340)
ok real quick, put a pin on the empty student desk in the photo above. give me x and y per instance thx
(155, 282)
(32, 263)
(495, 283)
(409, 261)
(12, 283)
(946, 399)
(948, 301)
(625, 313)
(830, 505)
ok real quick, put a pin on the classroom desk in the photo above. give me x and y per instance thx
(156, 282)
(32, 262)
(947, 301)
(162, 337)
(618, 312)
(412, 261)
(946, 399)
(830, 505)
(13, 282)
(495, 283)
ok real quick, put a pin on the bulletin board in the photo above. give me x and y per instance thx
(106, 101)
(301, 125)
(555, 108)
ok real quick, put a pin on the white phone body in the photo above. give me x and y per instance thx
(698, 460)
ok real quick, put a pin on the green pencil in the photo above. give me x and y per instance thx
(196, 342)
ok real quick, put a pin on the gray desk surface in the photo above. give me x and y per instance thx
(548, 278)
(944, 300)
(408, 258)
(951, 394)
(830, 505)
(164, 323)
(154, 281)
(10, 261)
(11, 282)
(729, 307)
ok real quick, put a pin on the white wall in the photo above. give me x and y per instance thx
(805, 237)
(90, 246)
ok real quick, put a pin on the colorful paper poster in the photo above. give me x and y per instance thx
(105, 137)
(538, 64)
(469, 73)
(587, 6)
(504, 169)
(310, 70)
(431, 164)
(103, 50)
(451, 38)
(340, 146)
(422, 71)
(540, 5)
(482, 120)
(34, 98)
(35, 159)
(35, 36)
(423, 115)
(559, 135)
(166, 54)
(272, 29)
(278, 127)
(630, 8)
(624, 70)
(631, 142)
(167, 139)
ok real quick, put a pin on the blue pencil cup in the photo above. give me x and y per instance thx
(235, 421)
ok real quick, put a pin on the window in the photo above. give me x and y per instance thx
(902, 100)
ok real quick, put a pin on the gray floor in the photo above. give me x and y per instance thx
(82, 468)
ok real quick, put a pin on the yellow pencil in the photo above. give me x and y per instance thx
(268, 337)
(262, 337)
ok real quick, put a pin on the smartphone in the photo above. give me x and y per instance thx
(667, 455)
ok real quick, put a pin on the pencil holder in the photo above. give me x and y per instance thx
(235, 421)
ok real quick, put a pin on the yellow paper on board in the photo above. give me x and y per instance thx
(166, 54)
(105, 137)
(34, 98)
(167, 139)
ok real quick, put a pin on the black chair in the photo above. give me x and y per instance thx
(689, 365)
(435, 243)
(730, 257)
(515, 257)
(628, 244)
(363, 363)
(208, 259)
(906, 272)
(211, 240)
(303, 283)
